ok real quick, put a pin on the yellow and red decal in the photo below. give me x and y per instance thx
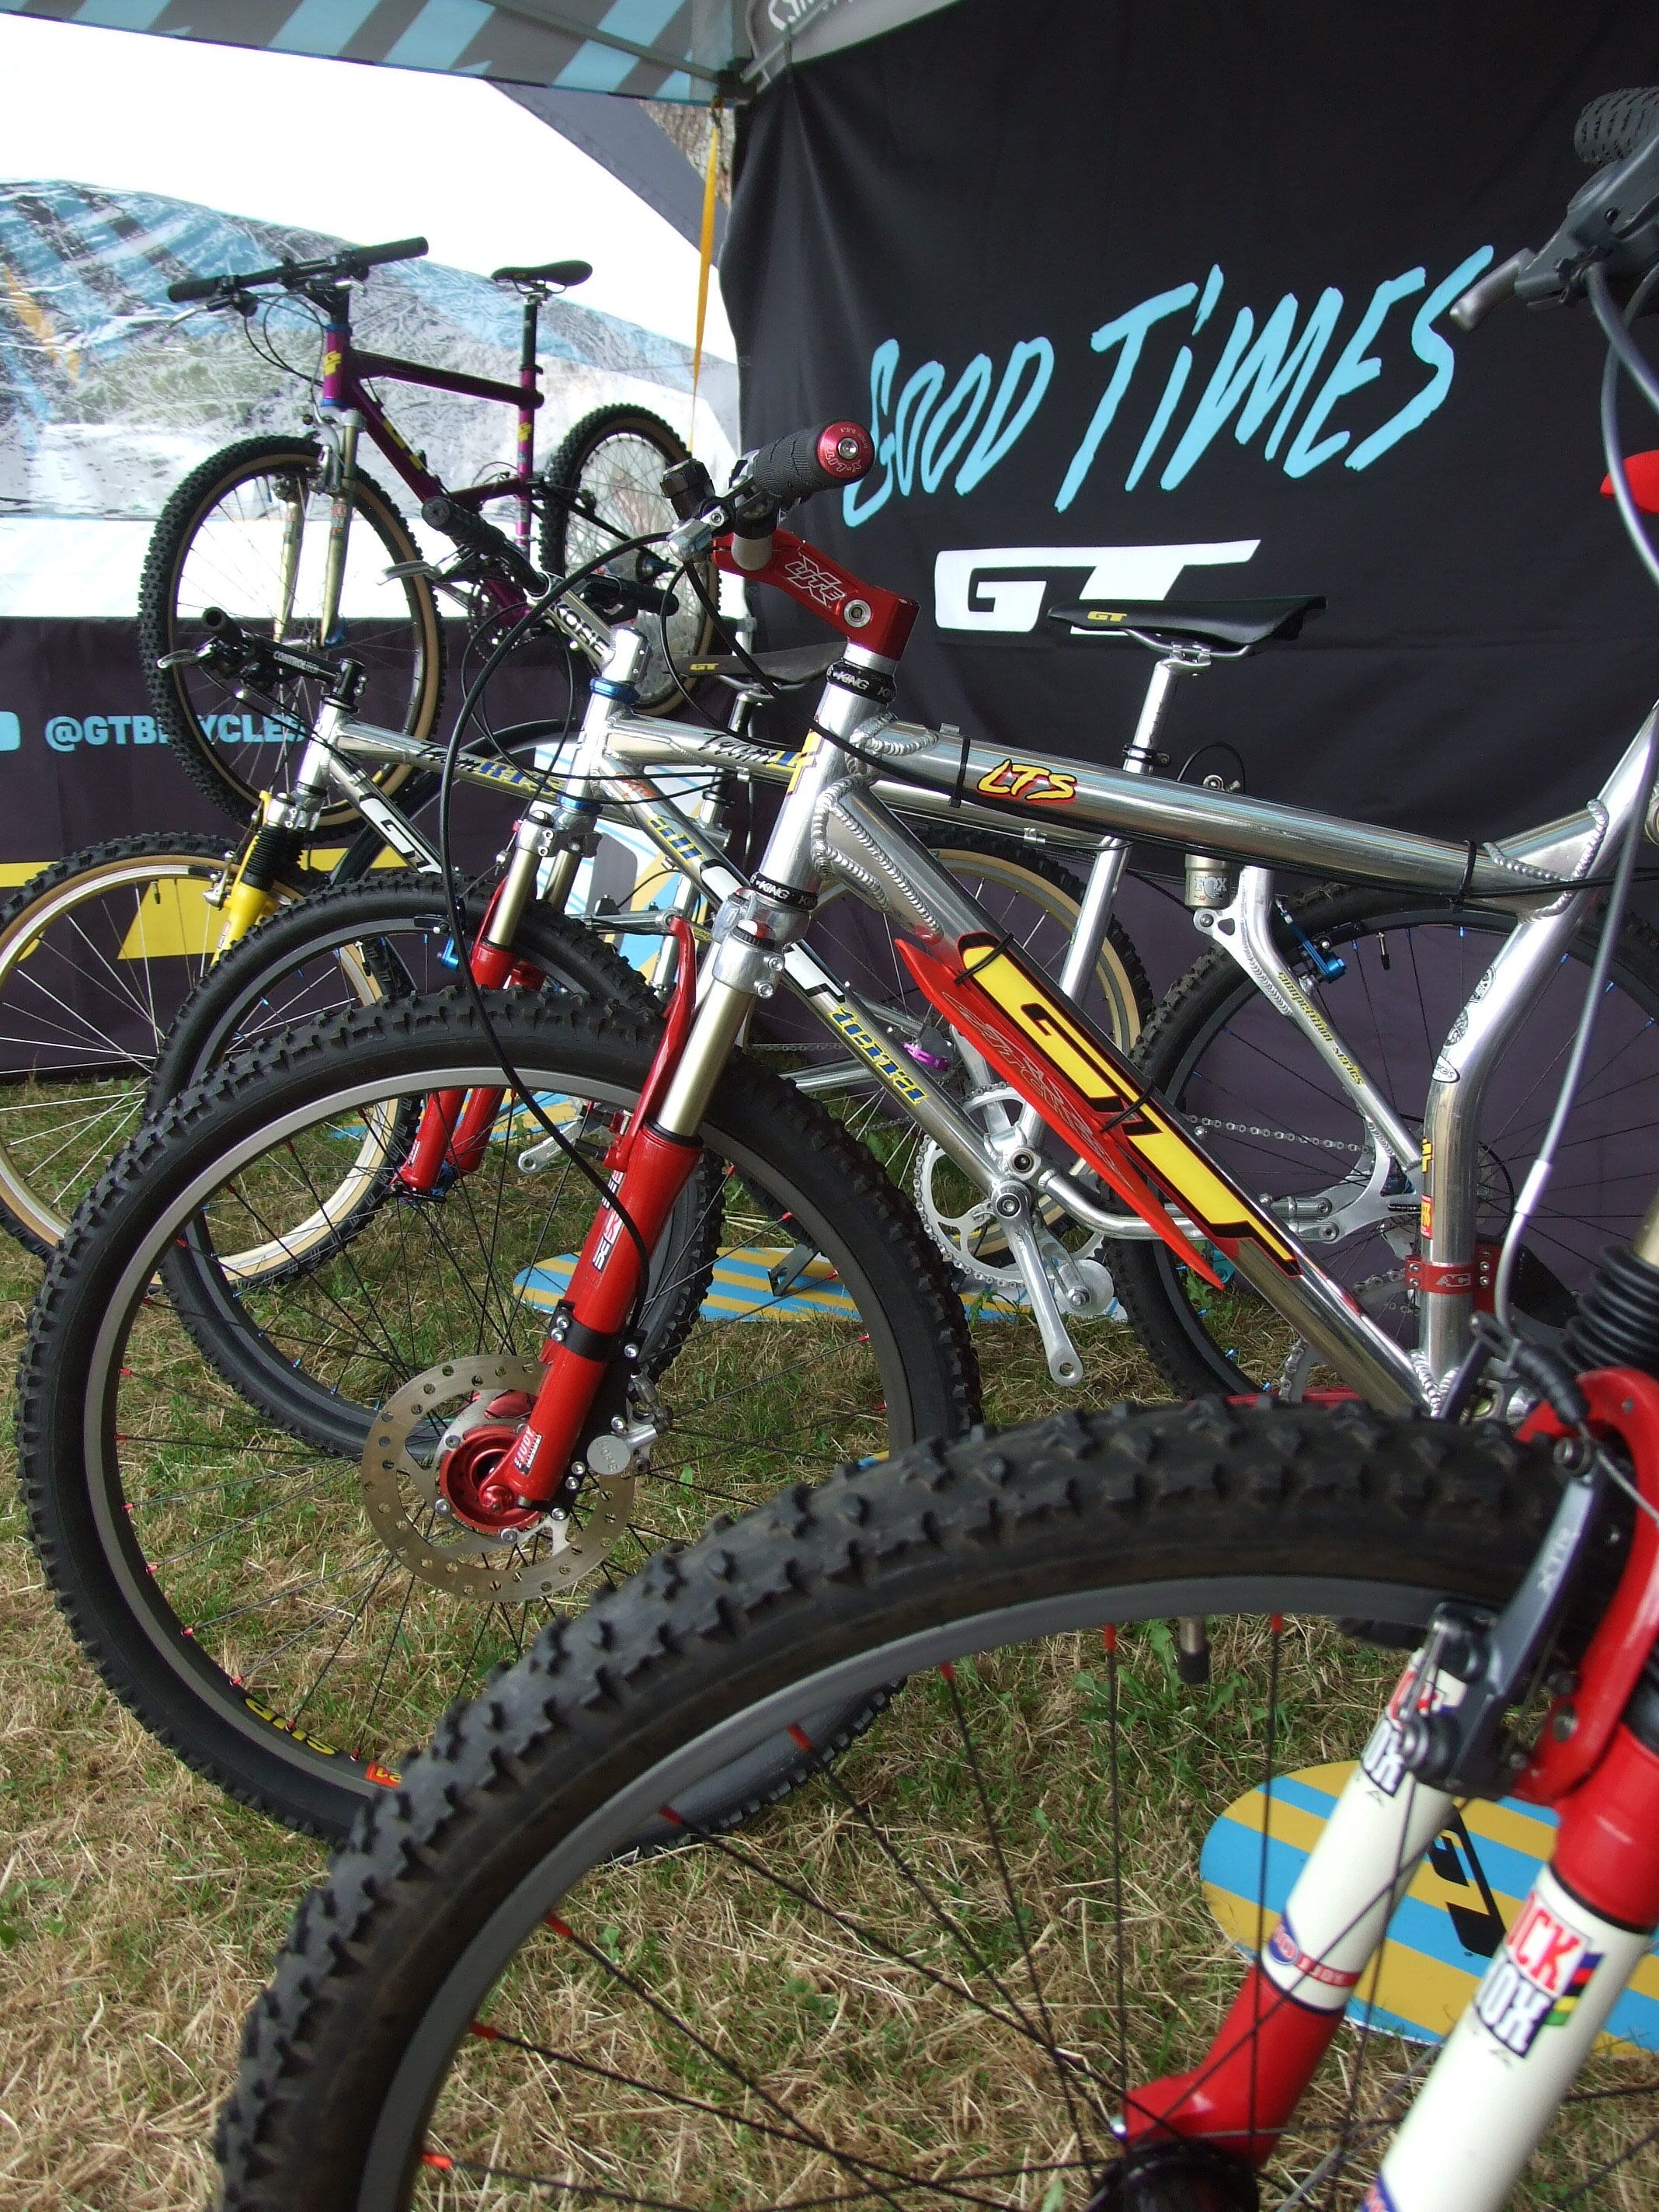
(1088, 1092)
(1030, 781)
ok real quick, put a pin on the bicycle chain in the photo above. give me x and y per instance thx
(1278, 1136)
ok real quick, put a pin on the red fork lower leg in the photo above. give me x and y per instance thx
(586, 1333)
(455, 1125)
(1250, 2081)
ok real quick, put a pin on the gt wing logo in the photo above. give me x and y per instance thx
(1005, 587)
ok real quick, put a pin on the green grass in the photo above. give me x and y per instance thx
(138, 1909)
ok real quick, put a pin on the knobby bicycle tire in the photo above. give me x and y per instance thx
(99, 1484)
(950, 1551)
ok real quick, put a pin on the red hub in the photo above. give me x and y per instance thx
(474, 1475)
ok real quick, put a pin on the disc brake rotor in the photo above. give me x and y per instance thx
(961, 1221)
(414, 1431)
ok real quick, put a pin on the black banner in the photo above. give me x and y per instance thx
(1150, 299)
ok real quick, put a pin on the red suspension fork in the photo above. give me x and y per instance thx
(455, 1125)
(648, 1169)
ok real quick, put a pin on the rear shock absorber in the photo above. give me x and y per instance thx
(1616, 1323)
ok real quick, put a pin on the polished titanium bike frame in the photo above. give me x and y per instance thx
(837, 823)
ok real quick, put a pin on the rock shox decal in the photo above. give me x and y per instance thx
(1536, 1980)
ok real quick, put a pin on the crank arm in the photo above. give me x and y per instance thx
(1064, 1366)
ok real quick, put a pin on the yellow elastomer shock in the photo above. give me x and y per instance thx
(244, 908)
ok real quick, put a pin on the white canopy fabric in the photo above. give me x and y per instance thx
(668, 49)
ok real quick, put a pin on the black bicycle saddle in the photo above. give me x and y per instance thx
(1230, 625)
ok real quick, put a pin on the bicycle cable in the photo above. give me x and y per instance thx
(1621, 354)
(516, 1084)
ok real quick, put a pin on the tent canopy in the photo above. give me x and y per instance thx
(668, 50)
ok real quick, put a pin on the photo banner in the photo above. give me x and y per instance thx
(1151, 301)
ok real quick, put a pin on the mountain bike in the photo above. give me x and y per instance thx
(1367, 1165)
(994, 1955)
(294, 538)
(117, 986)
(487, 1372)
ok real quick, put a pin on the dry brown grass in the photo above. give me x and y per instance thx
(139, 1910)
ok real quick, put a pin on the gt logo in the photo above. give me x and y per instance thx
(1536, 1979)
(1027, 780)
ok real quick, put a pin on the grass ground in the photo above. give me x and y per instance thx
(139, 1908)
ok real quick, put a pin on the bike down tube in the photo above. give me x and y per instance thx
(1040, 1042)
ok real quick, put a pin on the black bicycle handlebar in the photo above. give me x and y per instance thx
(356, 262)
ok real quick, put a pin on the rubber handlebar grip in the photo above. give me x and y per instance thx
(399, 249)
(1616, 124)
(469, 528)
(806, 461)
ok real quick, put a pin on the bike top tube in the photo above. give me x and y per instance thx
(937, 773)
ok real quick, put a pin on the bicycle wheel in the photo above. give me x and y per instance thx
(97, 954)
(346, 947)
(248, 532)
(934, 1978)
(288, 1614)
(1266, 1106)
(604, 485)
(355, 944)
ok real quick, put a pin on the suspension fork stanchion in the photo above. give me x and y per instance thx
(1589, 1919)
(340, 423)
(286, 824)
(656, 1157)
